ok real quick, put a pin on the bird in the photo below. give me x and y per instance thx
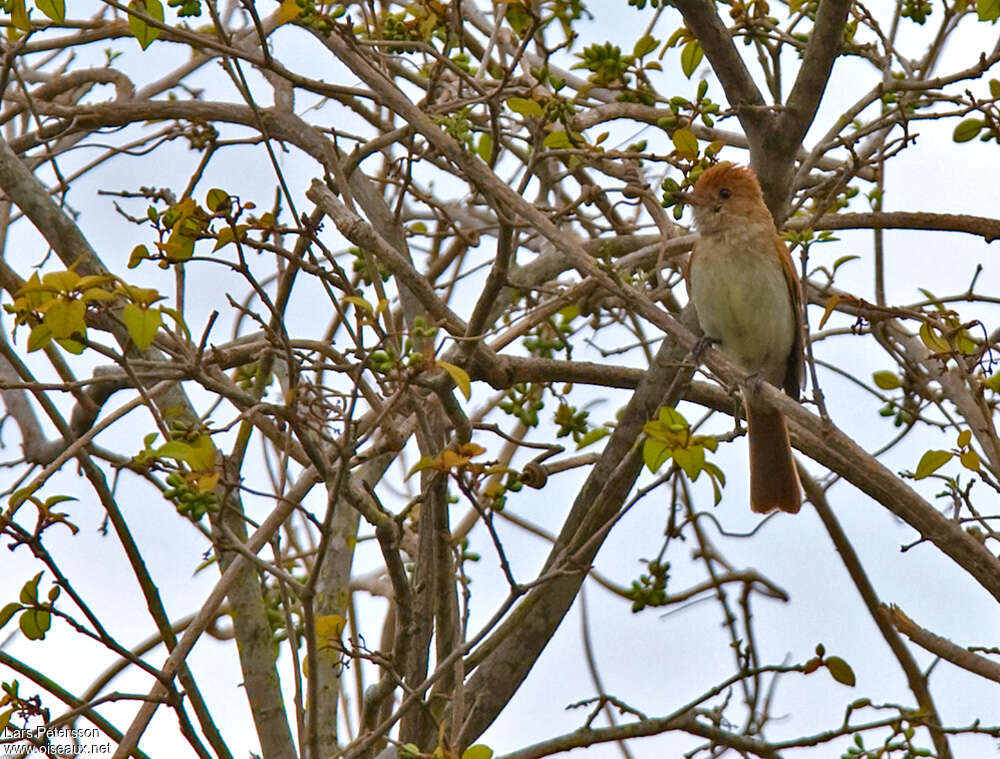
(744, 288)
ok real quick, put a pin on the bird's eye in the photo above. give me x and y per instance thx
(725, 192)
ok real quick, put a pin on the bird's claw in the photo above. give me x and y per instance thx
(755, 382)
(704, 343)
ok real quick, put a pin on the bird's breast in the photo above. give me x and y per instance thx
(741, 295)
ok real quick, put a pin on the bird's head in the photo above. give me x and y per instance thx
(725, 195)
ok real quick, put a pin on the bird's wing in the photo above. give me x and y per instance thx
(795, 368)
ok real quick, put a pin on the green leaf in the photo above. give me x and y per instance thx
(557, 140)
(426, 462)
(142, 324)
(592, 437)
(63, 281)
(988, 10)
(39, 337)
(964, 438)
(691, 55)
(655, 453)
(20, 496)
(968, 129)
(718, 478)
(35, 623)
(73, 346)
(970, 460)
(843, 260)
(227, 235)
(54, 9)
(526, 107)
(691, 460)
(930, 462)
(644, 45)
(9, 611)
(485, 147)
(216, 199)
(66, 317)
(29, 591)
(840, 670)
(672, 418)
(19, 16)
(144, 33)
(459, 376)
(934, 342)
(479, 751)
(686, 143)
(198, 454)
(995, 88)
(359, 303)
(886, 380)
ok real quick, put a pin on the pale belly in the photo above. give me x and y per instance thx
(742, 300)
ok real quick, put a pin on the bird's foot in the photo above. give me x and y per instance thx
(704, 343)
(755, 382)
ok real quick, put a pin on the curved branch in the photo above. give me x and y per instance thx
(982, 226)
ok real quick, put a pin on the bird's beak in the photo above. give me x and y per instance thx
(687, 198)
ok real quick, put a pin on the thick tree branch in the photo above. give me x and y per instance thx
(982, 226)
(822, 50)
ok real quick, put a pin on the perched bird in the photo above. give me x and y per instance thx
(744, 288)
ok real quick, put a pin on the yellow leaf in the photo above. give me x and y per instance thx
(459, 376)
(557, 140)
(329, 626)
(359, 303)
(426, 462)
(39, 337)
(19, 16)
(686, 143)
(970, 460)
(934, 342)
(63, 281)
(288, 11)
(655, 453)
(830, 305)
(203, 453)
(54, 9)
(691, 460)
(450, 459)
(205, 483)
(65, 317)
(886, 380)
(226, 236)
(930, 462)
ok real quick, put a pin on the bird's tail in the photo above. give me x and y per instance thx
(774, 483)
